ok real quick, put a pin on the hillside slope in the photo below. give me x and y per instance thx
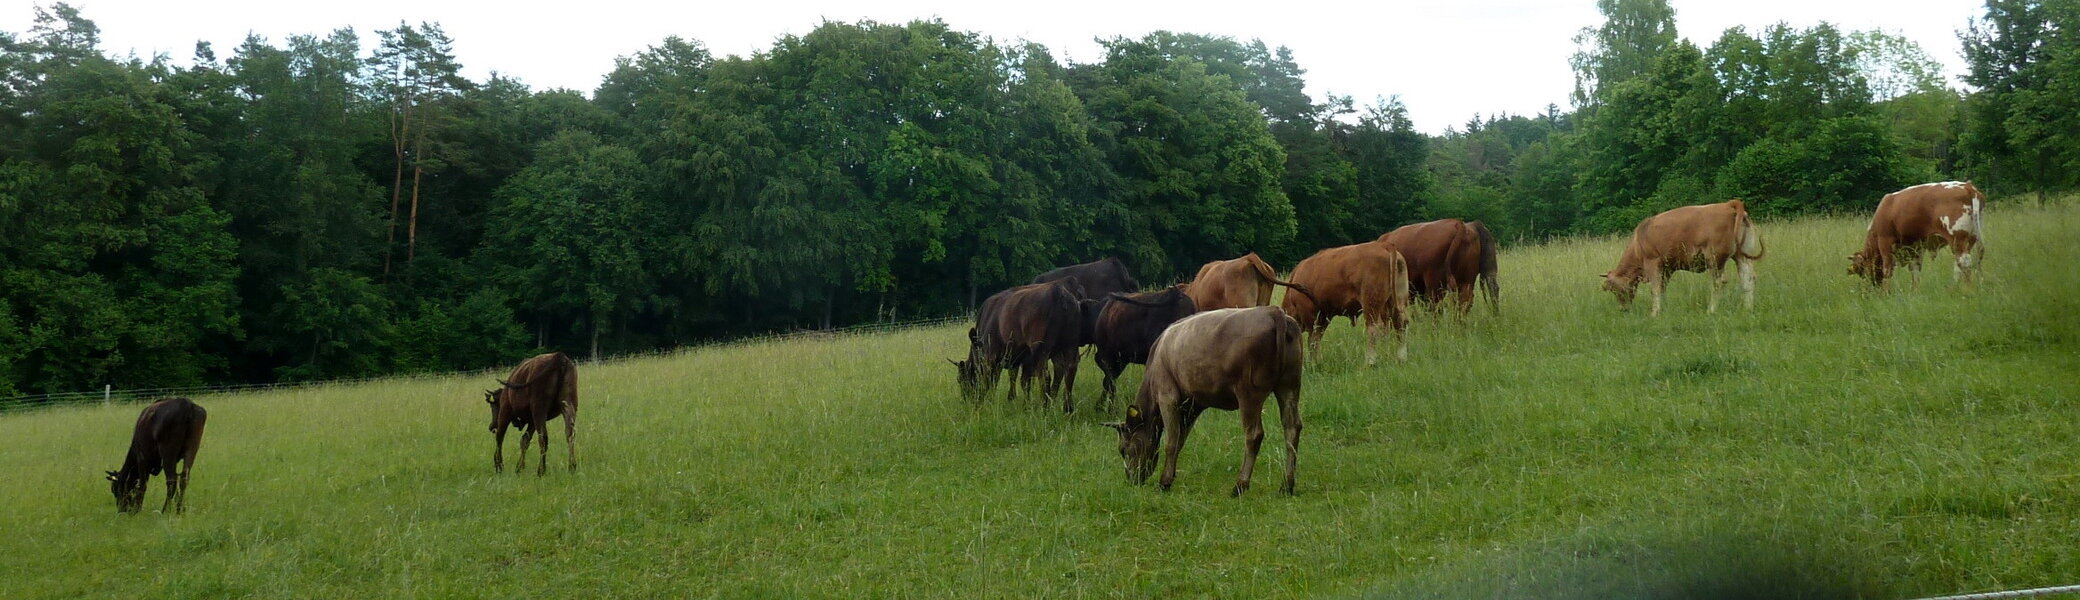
(1907, 444)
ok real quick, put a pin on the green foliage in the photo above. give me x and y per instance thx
(2024, 55)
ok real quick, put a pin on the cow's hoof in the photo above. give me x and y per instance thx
(1239, 489)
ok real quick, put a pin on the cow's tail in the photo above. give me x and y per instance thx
(1489, 268)
(1751, 242)
(1264, 271)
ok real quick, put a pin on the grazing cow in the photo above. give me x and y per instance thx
(1127, 328)
(1228, 359)
(1021, 329)
(1095, 279)
(1238, 283)
(1692, 238)
(1368, 279)
(540, 389)
(1923, 218)
(164, 440)
(1448, 255)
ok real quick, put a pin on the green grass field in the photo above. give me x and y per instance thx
(1922, 442)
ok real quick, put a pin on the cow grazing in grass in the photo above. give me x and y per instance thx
(1448, 255)
(1127, 328)
(1368, 279)
(164, 440)
(1692, 238)
(540, 389)
(1923, 218)
(1021, 329)
(1228, 359)
(1238, 283)
(1094, 280)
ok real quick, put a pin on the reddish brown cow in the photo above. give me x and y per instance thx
(1228, 359)
(164, 440)
(1448, 255)
(1692, 238)
(1021, 329)
(540, 389)
(1923, 218)
(1368, 279)
(1238, 283)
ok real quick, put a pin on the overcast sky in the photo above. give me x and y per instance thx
(1447, 59)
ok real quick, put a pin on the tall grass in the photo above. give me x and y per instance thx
(1895, 444)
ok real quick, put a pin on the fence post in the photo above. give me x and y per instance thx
(105, 389)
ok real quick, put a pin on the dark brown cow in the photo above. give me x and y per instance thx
(1228, 359)
(540, 389)
(1368, 279)
(1923, 218)
(1096, 279)
(1127, 328)
(1448, 255)
(1238, 283)
(1021, 329)
(1692, 238)
(164, 440)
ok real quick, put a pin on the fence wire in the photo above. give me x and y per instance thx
(115, 395)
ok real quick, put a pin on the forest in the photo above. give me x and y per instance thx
(253, 214)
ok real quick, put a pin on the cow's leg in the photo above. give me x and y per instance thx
(1065, 367)
(1172, 442)
(1289, 418)
(526, 437)
(1747, 268)
(570, 433)
(498, 454)
(169, 463)
(541, 424)
(1373, 330)
(1252, 439)
(1465, 298)
(1885, 263)
(1112, 370)
(1718, 274)
(1967, 265)
(1656, 281)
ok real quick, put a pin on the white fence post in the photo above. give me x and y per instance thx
(105, 389)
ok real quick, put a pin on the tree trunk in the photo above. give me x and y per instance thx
(595, 336)
(399, 127)
(411, 244)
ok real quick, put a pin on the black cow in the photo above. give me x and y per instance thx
(1097, 279)
(166, 435)
(1127, 328)
(1022, 329)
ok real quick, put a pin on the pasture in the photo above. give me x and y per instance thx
(1901, 445)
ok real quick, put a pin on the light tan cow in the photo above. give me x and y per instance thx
(1228, 359)
(1692, 238)
(1923, 218)
(1239, 283)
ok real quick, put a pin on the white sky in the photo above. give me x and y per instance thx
(1448, 59)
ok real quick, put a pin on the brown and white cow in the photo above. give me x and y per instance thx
(1923, 218)
(1228, 359)
(1368, 279)
(1692, 238)
(540, 389)
(1448, 255)
(1238, 283)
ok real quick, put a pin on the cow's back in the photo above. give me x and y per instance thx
(1708, 232)
(547, 379)
(1928, 210)
(1207, 355)
(1340, 277)
(1228, 284)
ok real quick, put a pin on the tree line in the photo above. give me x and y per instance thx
(333, 206)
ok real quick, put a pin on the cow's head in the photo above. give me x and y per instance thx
(497, 397)
(1861, 265)
(1137, 442)
(1621, 286)
(128, 488)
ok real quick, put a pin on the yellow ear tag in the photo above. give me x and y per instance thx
(1133, 411)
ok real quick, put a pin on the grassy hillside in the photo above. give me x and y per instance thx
(1896, 445)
